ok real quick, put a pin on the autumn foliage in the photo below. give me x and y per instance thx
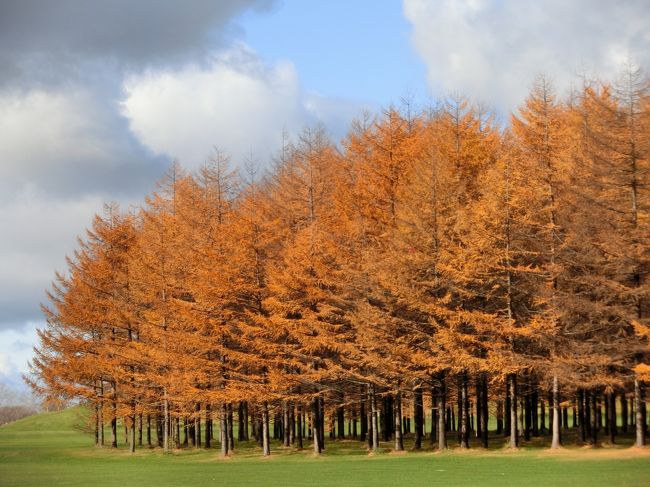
(427, 255)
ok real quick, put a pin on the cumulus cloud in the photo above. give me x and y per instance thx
(69, 143)
(236, 103)
(492, 49)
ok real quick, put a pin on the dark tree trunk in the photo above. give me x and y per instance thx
(363, 420)
(542, 416)
(594, 419)
(149, 430)
(197, 424)
(321, 423)
(292, 423)
(435, 416)
(527, 414)
(113, 431)
(507, 408)
(624, 413)
(478, 386)
(208, 425)
(611, 399)
(587, 403)
(464, 412)
(499, 430)
(230, 426)
(140, 429)
(340, 422)
(582, 430)
(534, 403)
(132, 420)
(484, 411)
(418, 416)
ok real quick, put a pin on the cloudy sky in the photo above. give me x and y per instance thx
(96, 98)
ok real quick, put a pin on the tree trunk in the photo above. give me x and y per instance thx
(363, 421)
(534, 402)
(113, 431)
(555, 442)
(464, 412)
(285, 424)
(611, 418)
(223, 430)
(140, 430)
(299, 435)
(582, 430)
(166, 446)
(266, 440)
(149, 430)
(484, 411)
(640, 426)
(418, 414)
(321, 423)
(340, 422)
(208, 425)
(374, 434)
(315, 425)
(397, 411)
(514, 440)
(624, 413)
(442, 429)
(594, 419)
(292, 424)
(132, 419)
(507, 408)
(230, 429)
(499, 418)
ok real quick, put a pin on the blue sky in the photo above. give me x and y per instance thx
(357, 50)
(96, 97)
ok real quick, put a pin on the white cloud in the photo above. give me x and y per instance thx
(236, 103)
(492, 49)
(15, 351)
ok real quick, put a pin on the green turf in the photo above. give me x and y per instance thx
(51, 450)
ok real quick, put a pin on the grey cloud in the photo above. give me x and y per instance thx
(46, 37)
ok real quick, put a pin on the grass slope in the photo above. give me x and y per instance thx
(52, 449)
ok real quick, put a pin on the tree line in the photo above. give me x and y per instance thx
(431, 260)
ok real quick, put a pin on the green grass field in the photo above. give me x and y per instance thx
(51, 450)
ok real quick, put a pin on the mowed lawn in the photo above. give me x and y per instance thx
(51, 450)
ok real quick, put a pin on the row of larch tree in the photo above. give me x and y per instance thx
(431, 259)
